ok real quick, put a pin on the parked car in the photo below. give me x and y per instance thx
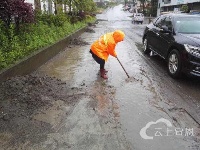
(176, 38)
(138, 18)
(195, 12)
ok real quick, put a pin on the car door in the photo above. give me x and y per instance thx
(164, 38)
(154, 34)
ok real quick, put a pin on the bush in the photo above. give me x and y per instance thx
(56, 20)
(59, 20)
(15, 12)
(34, 37)
(184, 8)
(2, 61)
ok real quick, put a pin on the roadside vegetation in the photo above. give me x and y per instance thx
(147, 7)
(24, 30)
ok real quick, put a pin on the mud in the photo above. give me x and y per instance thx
(78, 41)
(24, 97)
(90, 30)
(92, 24)
(101, 114)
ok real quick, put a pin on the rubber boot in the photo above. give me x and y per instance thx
(103, 74)
(104, 70)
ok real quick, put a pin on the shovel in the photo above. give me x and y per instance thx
(123, 67)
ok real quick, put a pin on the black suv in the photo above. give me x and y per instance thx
(176, 38)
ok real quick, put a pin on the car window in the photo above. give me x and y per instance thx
(154, 21)
(168, 22)
(188, 25)
(138, 15)
(160, 21)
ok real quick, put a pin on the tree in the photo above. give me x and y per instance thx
(15, 12)
(74, 5)
(37, 4)
(85, 5)
(125, 2)
(143, 5)
(134, 2)
(184, 8)
(79, 5)
(49, 6)
(6, 12)
(154, 6)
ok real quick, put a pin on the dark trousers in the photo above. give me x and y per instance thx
(98, 60)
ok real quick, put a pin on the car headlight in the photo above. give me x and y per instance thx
(192, 49)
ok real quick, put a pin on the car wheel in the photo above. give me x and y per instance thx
(146, 49)
(174, 64)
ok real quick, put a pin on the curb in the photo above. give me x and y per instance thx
(35, 60)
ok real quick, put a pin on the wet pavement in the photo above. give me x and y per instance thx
(148, 111)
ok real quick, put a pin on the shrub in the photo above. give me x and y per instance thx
(34, 37)
(184, 8)
(2, 61)
(17, 12)
(50, 19)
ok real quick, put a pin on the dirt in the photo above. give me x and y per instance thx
(78, 41)
(22, 98)
(92, 24)
(90, 30)
(36, 108)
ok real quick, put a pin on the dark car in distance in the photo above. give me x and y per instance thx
(194, 12)
(176, 38)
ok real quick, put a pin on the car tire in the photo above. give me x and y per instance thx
(174, 64)
(146, 49)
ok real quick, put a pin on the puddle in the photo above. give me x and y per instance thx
(52, 115)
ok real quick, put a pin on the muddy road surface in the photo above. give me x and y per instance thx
(65, 104)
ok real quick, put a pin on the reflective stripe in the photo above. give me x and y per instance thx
(105, 40)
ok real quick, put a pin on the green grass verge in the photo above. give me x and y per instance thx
(38, 36)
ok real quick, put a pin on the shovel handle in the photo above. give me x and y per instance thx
(122, 67)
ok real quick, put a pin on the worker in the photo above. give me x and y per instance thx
(105, 46)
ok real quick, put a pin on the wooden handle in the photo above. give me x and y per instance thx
(123, 67)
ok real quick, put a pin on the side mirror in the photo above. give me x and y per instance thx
(165, 29)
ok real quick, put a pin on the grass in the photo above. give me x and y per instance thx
(34, 38)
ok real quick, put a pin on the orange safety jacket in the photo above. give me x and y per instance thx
(105, 45)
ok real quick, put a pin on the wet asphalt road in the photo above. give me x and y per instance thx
(149, 95)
